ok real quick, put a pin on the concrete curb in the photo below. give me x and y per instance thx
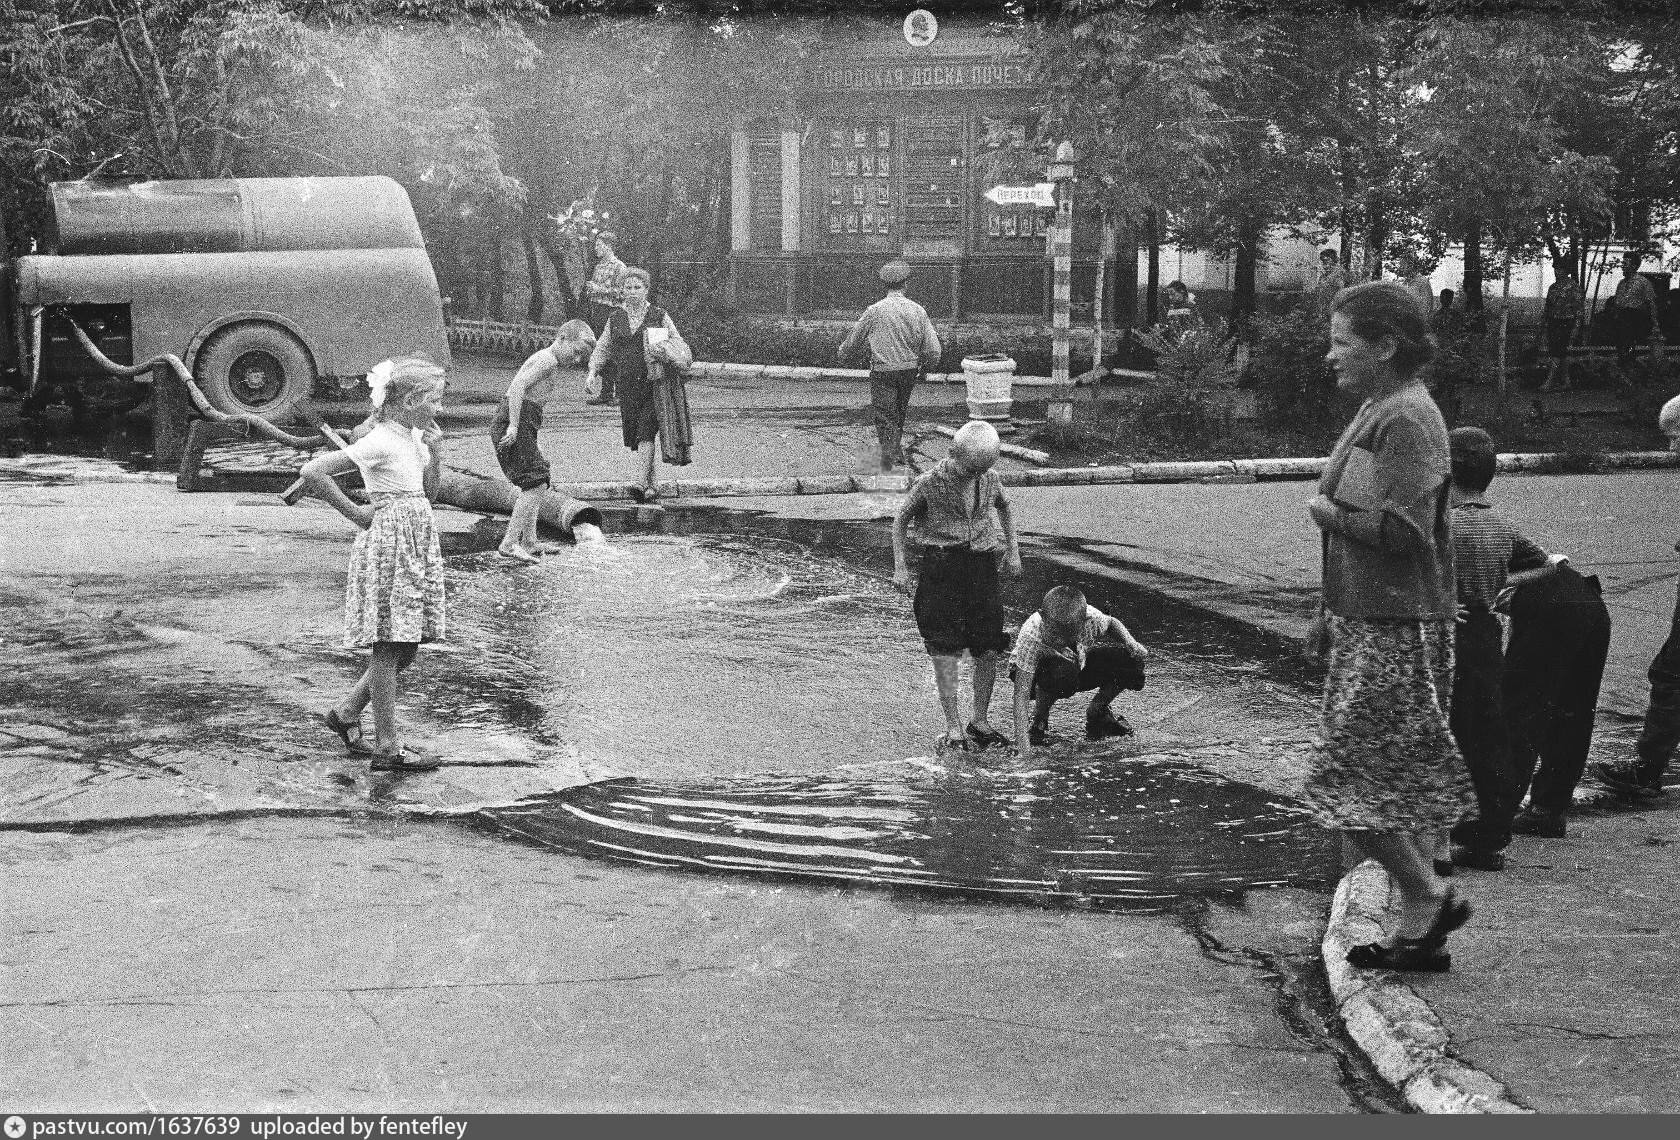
(1394, 1027)
(245, 461)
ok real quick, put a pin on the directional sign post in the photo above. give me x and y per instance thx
(1042, 195)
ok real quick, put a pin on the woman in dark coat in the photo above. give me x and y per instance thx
(640, 354)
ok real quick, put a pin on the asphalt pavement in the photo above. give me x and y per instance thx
(1560, 992)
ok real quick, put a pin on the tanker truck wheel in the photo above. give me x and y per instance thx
(254, 367)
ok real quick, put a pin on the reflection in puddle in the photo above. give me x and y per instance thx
(1118, 835)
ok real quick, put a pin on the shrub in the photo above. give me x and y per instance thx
(1199, 358)
(1288, 369)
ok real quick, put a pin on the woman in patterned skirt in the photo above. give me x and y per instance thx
(1386, 770)
(393, 596)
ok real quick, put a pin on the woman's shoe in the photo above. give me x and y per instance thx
(1410, 954)
(638, 492)
(405, 760)
(1453, 913)
(354, 744)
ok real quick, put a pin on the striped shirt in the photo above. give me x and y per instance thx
(1485, 549)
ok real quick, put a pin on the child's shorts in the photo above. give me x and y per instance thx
(1105, 666)
(957, 604)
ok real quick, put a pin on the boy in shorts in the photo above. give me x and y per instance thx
(514, 435)
(1058, 653)
(965, 529)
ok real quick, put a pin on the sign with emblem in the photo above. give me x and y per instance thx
(921, 28)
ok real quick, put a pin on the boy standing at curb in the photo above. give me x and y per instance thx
(1554, 664)
(965, 530)
(901, 342)
(1057, 654)
(1642, 777)
(1486, 549)
(514, 435)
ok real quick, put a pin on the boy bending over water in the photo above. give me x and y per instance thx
(514, 435)
(1057, 655)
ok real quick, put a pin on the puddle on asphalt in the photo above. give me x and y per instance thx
(1108, 835)
(761, 681)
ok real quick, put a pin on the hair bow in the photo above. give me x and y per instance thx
(378, 380)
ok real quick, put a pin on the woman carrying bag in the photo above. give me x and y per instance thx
(641, 354)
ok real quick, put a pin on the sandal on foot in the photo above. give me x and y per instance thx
(344, 728)
(986, 737)
(400, 761)
(950, 742)
(1414, 955)
(1453, 913)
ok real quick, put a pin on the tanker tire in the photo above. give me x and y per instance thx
(267, 354)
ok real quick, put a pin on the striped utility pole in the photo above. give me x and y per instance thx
(1061, 253)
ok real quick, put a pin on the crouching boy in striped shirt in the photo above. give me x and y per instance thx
(1059, 651)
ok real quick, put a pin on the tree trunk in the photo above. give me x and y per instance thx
(1099, 292)
(1504, 326)
(1244, 290)
(533, 269)
(498, 279)
(1126, 281)
(1473, 266)
(1152, 287)
(1377, 238)
(655, 263)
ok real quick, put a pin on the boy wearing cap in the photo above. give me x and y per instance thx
(1486, 549)
(965, 529)
(902, 342)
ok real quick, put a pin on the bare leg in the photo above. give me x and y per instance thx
(520, 535)
(388, 660)
(985, 677)
(1421, 890)
(950, 694)
(357, 699)
(647, 458)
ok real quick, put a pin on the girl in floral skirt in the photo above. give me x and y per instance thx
(393, 598)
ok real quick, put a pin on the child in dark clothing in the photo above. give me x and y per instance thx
(1060, 651)
(968, 535)
(1486, 549)
(1560, 636)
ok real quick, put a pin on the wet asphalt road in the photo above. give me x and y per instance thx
(209, 906)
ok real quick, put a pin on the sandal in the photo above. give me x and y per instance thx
(986, 737)
(400, 762)
(1415, 955)
(950, 742)
(1453, 913)
(344, 728)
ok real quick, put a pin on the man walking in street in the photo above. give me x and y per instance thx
(902, 342)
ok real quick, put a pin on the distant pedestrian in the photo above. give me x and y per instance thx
(1633, 311)
(966, 532)
(1416, 279)
(1486, 549)
(902, 343)
(1070, 646)
(1642, 777)
(513, 434)
(393, 595)
(638, 337)
(1554, 665)
(1332, 279)
(1386, 770)
(602, 291)
(1182, 313)
(1564, 305)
